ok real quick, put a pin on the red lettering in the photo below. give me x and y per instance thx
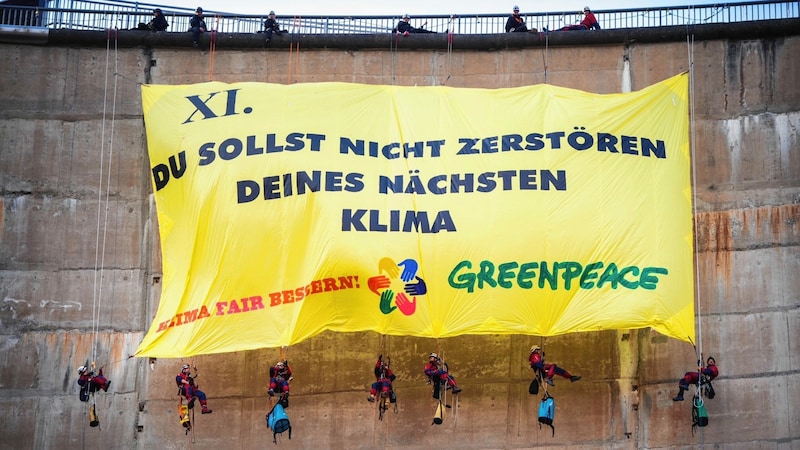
(288, 297)
(256, 302)
(163, 326)
(275, 299)
(203, 312)
(234, 307)
(316, 286)
(299, 293)
(190, 316)
(221, 308)
(346, 282)
(330, 284)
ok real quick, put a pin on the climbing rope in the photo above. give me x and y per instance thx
(693, 146)
(212, 47)
(100, 240)
(450, 25)
(294, 53)
(545, 52)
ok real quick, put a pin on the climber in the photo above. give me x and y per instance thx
(384, 378)
(91, 383)
(709, 372)
(536, 360)
(437, 371)
(279, 377)
(188, 388)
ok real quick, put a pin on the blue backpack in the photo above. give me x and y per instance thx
(547, 412)
(278, 422)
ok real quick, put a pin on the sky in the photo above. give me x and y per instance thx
(412, 7)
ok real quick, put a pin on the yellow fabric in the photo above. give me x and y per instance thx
(426, 211)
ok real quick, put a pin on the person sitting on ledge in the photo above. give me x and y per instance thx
(405, 28)
(589, 22)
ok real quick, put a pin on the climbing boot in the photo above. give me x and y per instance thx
(206, 410)
(549, 381)
(456, 389)
(574, 378)
(679, 397)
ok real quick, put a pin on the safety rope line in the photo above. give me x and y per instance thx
(450, 26)
(100, 245)
(297, 50)
(693, 146)
(212, 48)
(294, 53)
(545, 52)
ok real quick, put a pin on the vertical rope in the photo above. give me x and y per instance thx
(99, 252)
(544, 53)
(297, 52)
(693, 146)
(212, 48)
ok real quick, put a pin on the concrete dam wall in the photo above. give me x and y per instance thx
(80, 263)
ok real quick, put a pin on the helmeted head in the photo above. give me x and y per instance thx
(516, 9)
(280, 365)
(272, 13)
(535, 348)
(434, 356)
(81, 370)
(157, 11)
(185, 368)
(199, 10)
(711, 361)
(586, 8)
(406, 17)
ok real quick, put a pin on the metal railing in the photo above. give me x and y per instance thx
(95, 15)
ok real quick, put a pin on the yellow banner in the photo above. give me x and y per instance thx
(426, 211)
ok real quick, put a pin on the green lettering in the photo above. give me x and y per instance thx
(505, 273)
(625, 283)
(526, 272)
(571, 270)
(464, 280)
(649, 280)
(588, 274)
(485, 275)
(546, 275)
(610, 275)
